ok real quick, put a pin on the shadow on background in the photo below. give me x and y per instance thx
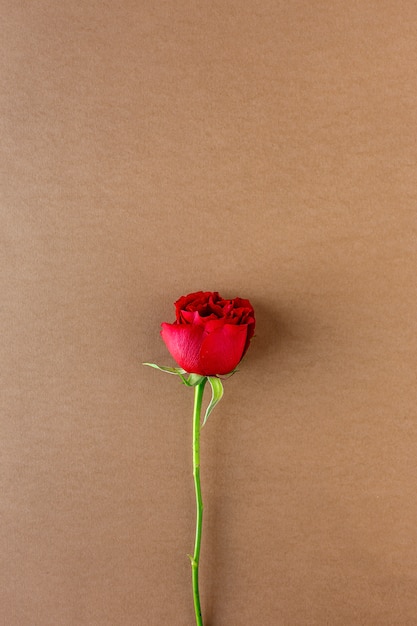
(279, 335)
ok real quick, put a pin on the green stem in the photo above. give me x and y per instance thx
(198, 397)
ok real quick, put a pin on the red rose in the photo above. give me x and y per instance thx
(210, 335)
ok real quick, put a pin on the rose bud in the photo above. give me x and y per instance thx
(210, 335)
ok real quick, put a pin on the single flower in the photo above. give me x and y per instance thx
(208, 339)
(210, 334)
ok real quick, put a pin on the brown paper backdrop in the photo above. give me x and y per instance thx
(262, 149)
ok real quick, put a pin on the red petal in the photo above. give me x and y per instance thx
(184, 343)
(222, 349)
(193, 302)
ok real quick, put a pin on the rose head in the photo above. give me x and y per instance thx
(210, 335)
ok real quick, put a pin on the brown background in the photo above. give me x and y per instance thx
(261, 149)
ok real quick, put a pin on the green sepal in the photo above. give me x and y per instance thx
(216, 395)
(194, 379)
(226, 376)
(178, 371)
(191, 381)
